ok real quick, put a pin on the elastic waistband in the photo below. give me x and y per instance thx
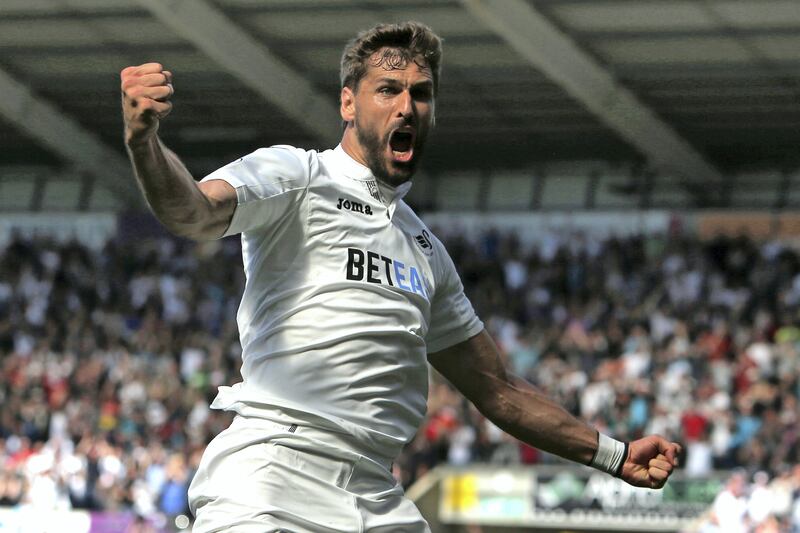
(318, 440)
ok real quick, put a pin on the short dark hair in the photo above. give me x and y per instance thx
(410, 39)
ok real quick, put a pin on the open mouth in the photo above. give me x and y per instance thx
(401, 144)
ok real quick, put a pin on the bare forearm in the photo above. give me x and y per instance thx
(521, 410)
(168, 187)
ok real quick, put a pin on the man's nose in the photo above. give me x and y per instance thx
(405, 105)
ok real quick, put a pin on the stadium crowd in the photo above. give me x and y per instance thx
(111, 357)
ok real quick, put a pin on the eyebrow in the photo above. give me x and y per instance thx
(393, 81)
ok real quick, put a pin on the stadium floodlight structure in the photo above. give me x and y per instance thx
(556, 55)
(63, 135)
(252, 63)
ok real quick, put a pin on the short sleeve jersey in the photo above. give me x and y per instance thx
(346, 292)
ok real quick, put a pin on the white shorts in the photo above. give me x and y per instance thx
(261, 476)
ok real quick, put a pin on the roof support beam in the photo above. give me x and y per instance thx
(67, 138)
(251, 62)
(552, 52)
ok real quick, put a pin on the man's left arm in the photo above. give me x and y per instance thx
(475, 368)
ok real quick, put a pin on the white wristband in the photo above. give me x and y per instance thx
(610, 455)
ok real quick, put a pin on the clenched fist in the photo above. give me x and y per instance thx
(650, 461)
(146, 90)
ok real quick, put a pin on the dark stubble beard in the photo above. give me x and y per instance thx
(389, 172)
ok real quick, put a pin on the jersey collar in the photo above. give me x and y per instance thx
(350, 167)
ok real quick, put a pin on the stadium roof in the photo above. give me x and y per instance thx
(697, 89)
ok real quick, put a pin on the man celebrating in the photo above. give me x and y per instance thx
(348, 297)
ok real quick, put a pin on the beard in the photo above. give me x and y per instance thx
(392, 173)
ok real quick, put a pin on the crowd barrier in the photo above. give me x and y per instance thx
(28, 519)
(559, 497)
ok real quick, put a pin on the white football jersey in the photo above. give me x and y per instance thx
(347, 291)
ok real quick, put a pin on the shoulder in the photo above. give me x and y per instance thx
(411, 222)
(284, 155)
(408, 217)
(268, 171)
(281, 163)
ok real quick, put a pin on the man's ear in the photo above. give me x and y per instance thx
(348, 104)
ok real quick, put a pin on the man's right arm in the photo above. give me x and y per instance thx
(199, 211)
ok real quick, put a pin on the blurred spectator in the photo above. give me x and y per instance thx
(173, 499)
(759, 502)
(730, 506)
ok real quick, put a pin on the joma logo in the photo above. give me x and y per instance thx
(351, 205)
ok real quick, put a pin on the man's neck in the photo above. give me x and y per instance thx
(352, 147)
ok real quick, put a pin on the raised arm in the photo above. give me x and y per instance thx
(189, 209)
(475, 368)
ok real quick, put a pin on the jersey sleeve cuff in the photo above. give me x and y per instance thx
(458, 335)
